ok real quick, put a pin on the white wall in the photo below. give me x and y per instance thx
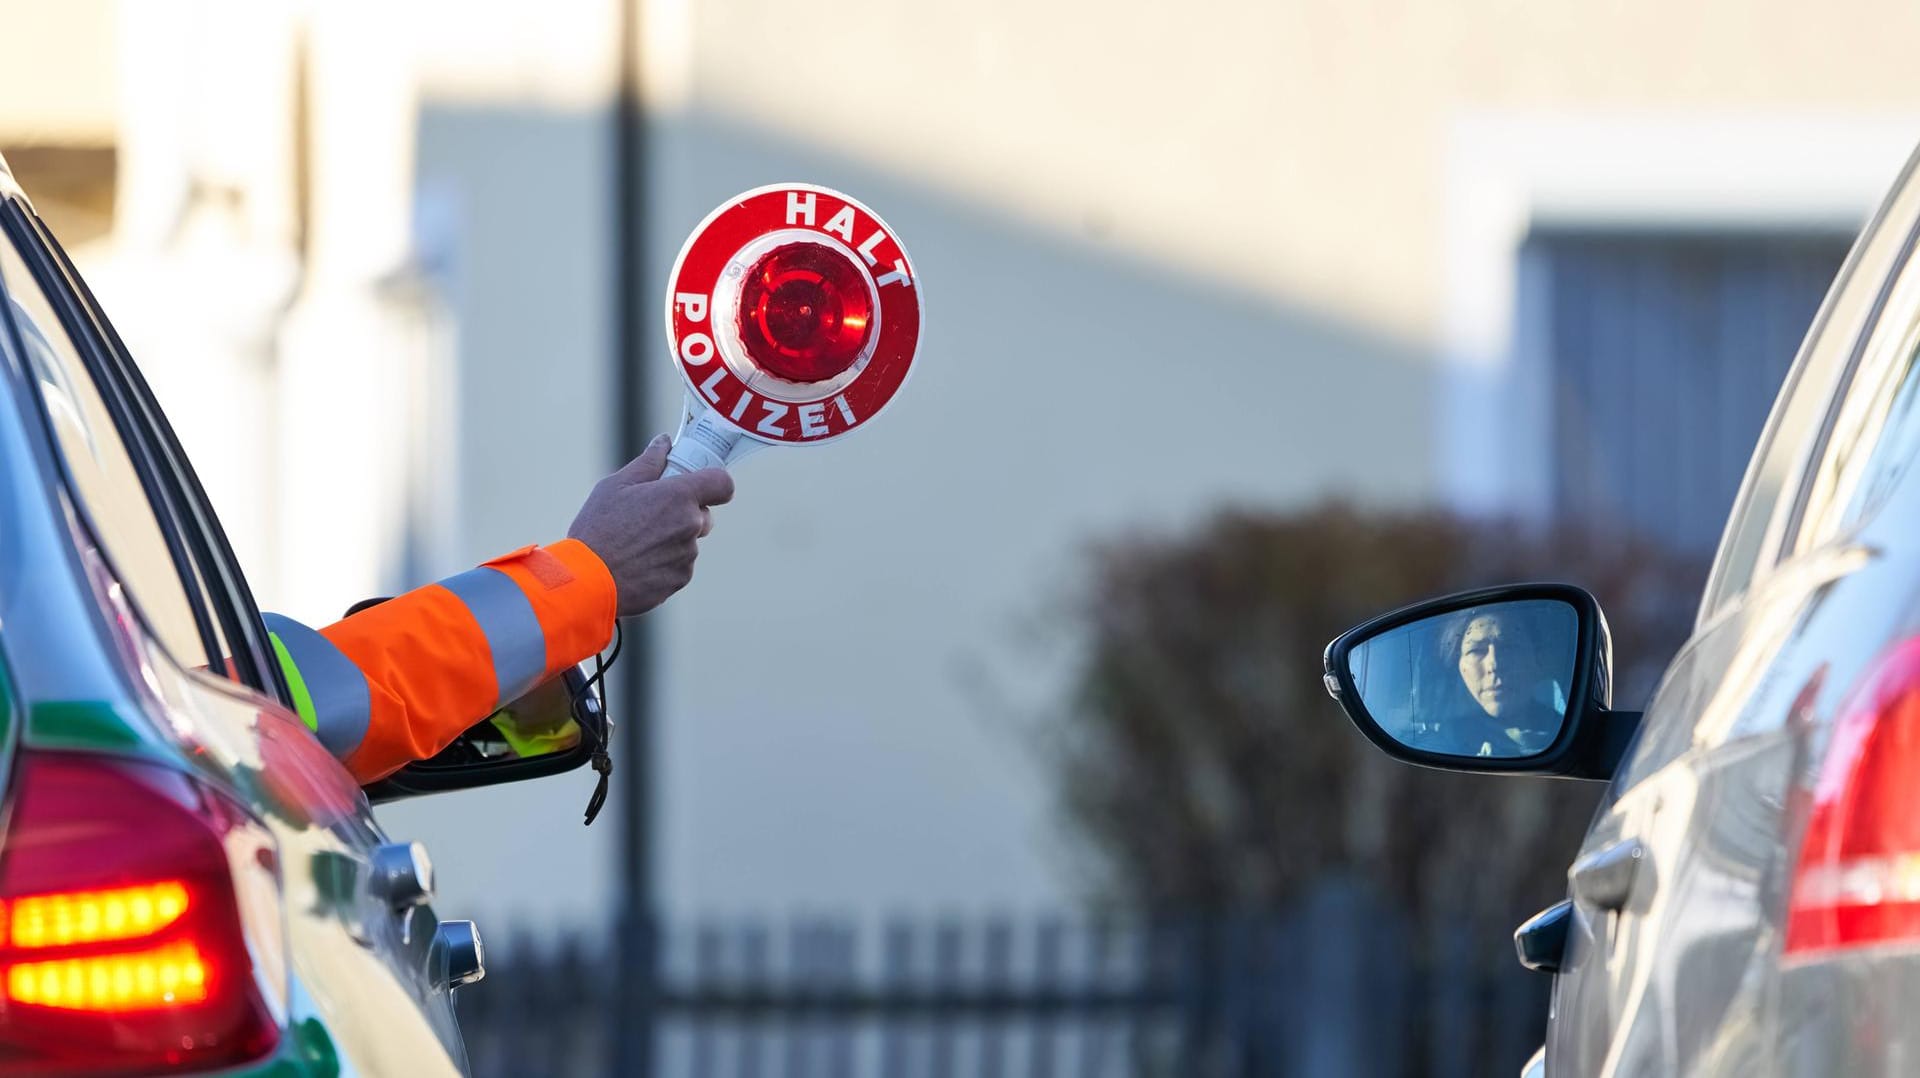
(850, 684)
(848, 690)
(1215, 248)
(516, 242)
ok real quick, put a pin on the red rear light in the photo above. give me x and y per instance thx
(126, 895)
(1858, 879)
(805, 312)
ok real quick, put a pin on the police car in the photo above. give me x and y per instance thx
(188, 881)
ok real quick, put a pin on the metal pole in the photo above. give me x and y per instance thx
(632, 1023)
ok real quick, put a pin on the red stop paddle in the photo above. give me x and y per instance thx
(793, 314)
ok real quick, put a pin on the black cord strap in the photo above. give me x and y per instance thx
(602, 760)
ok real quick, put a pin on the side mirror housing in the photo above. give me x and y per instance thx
(557, 727)
(1507, 680)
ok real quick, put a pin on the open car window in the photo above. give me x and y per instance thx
(101, 473)
(210, 567)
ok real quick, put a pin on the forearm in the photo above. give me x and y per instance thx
(398, 681)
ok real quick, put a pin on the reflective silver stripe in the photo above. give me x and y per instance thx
(513, 630)
(342, 703)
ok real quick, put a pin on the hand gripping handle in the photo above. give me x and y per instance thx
(706, 441)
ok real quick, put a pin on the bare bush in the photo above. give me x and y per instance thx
(1206, 765)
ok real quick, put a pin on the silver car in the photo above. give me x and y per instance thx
(1747, 899)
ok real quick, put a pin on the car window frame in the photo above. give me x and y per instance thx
(20, 239)
(1857, 415)
(227, 585)
(232, 651)
(1728, 582)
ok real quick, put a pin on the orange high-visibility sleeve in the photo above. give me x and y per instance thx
(399, 681)
(572, 594)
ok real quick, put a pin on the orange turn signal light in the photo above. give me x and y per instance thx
(81, 917)
(167, 976)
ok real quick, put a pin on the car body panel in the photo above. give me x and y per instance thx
(81, 671)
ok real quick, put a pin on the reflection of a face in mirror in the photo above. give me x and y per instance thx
(1507, 700)
(1492, 661)
(1489, 680)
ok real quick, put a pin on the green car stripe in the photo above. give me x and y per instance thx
(82, 724)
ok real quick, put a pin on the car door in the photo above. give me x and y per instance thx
(1680, 877)
(368, 981)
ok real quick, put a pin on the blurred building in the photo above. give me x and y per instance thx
(1492, 256)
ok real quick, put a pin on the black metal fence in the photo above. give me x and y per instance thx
(1327, 990)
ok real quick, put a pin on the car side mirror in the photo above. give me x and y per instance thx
(1512, 680)
(557, 727)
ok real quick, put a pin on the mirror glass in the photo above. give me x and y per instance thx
(541, 723)
(1489, 680)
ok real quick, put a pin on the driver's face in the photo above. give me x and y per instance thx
(1491, 665)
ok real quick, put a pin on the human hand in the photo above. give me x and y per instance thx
(647, 529)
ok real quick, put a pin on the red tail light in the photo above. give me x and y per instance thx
(805, 313)
(1858, 879)
(140, 923)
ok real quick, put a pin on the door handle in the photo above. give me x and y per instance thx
(457, 957)
(1605, 878)
(1542, 938)
(402, 875)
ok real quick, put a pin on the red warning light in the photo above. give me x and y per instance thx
(805, 312)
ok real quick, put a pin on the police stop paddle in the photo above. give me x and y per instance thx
(793, 315)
